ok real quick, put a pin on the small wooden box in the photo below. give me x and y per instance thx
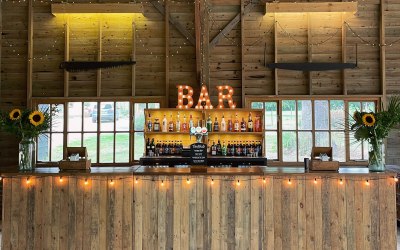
(82, 164)
(318, 164)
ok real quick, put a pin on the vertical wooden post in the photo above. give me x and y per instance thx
(99, 58)
(276, 54)
(242, 48)
(133, 93)
(197, 24)
(66, 57)
(202, 42)
(30, 55)
(167, 41)
(382, 48)
(344, 55)
(309, 50)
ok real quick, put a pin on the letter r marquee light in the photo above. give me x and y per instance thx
(204, 97)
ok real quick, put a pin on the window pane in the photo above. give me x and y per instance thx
(337, 114)
(322, 139)
(106, 147)
(122, 147)
(74, 116)
(122, 116)
(305, 145)
(256, 105)
(353, 107)
(271, 115)
(57, 122)
(43, 147)
(289, 114)
(57, 147)
(139, 145)
(90, 121)
(74, 140)
(289, 146)
(321, 115)
(106, 116)
(153, 105)
(45, 108)
(368, 106)
(139, 116)
(338, 146)
(304, 115)
(90, 142)
(271, 145)
(355, 149)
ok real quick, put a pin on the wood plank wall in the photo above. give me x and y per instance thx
(48, 214)
(236, 59)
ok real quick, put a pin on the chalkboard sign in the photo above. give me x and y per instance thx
(198, 154)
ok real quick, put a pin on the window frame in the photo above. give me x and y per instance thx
(377, 99)
(64, 101)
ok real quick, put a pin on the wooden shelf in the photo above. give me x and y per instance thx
(167, 133)
(235, 133)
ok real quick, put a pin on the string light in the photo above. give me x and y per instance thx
(290, 182)
(367, 182)
(61, 179)
(341, 182)
(212, 181)
(315, 181)
(238, 183)
(111, 182)
(264, 180)
(136, 180)
(28, 180)
(1, 178)
(86, 181)
(396, 179)
(162, 182)
(188, 181)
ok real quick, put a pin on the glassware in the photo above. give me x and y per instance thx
(27, 154)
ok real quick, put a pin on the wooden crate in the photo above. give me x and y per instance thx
(319, 165)
(82, 164)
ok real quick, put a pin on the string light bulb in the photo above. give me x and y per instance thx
(238, 183)
(290, 181)
(136, 181)
(61, 179)
(395, 179)
(315, 181)
(341, 181)
(367, 182)
(188, 181)
(86, 181)
(1, 178)
(212, 181)
(28, 180)
(111, 182)
(264, 180)
(162, 182)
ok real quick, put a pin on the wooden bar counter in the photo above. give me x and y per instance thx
(170, 208)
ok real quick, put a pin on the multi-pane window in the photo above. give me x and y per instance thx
(105, 128)
(294, 126)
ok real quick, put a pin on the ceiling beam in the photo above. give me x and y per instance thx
(95, 8)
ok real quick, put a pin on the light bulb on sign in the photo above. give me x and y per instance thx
(227, 97)
(188, 96)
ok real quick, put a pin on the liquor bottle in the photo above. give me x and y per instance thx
(228, 148)
(213, 149)
(260, 150)
(223, 149)
(184, 124)
(223, 124)
(233, 149)
(238, 150)
(250, 123)
(216, 125)
(209, 124)
(164, 127)
(149, 124)
(236, 126)
(244, 149)
(148, 147)
(243, 126)
(230, 125)
(178, 124)
(190, 122)
(171, 125)
(156, 126)
(152, 147)
(160, 148)
(219, 148)
(257, 125)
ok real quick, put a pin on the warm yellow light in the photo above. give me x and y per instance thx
(162, 182)
(112, 182)
(367, 182)
(238, 183)
(180, 87)
(28, 180)
(1, 178)
(61, 179)
(264, 180)
(188, 181)
(212, 181)
(290, 182)
(136, 181)
(86, 182)
(341, 182)
(395, 179)
(315, 181)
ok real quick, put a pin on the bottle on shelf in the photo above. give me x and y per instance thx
(213, 149)
(233, 149)
(236, 125)
(178, 124)
(171, 125)
(223, 149)
(238, 149)
(152, 147)
(190, 122)
(257, 125)
(209, 124)
(184, 126)
(244, 149)
(228, 148)
(149, 124)
(218, 147)
(250, 123)
(164, 126)
(243, 126)
(230, 125)
(223, 124)
(216, 125)
(156, 126)
(148, 147)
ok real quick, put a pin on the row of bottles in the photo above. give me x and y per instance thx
(223, 126)
(163, 147)
(236, 148)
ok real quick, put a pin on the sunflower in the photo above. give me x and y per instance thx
(368, 120)
(36, 118)
(15, 114)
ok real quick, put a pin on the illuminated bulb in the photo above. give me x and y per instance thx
(290, 182)
(229, 96)
(264, 180)
(395, 179)
(61, 179)
(1, 178)
(136, 180)
(219, 93)
(206, 94)
(180, 93)
(180, 87)
(203, 88)
(230, 101)
(187, 181)
(223, 96)
(190, 91)
(220, 106)
(186, 107)
(367, 182)
(212, 181)
(180, 106)
(162, 182)
(341, 182)
(238, 183)
(231, 90)
(191, 102)
(233, 106)
(112, 182)
(220, 100)
(86, 182)
(28, 180)
(315, 181)
(220, 87)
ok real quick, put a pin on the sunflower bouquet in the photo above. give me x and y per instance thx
(374, 127)
(25, 123)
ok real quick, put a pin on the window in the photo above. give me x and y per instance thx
(294, 125)
(103, 127)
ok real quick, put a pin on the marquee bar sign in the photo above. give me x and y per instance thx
(204, 98)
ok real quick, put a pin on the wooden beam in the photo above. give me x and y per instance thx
(310, 7)
(96, 8)
(176, 24)
(242, 49)
(197, 22)
(30, 55)
(344, 56)
(167, 51)
(382, 41)
(99, 59)
(309, 51)
(232, 24)
(133, 93)
(275, 55)
(66, 57)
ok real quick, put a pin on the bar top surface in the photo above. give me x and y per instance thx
(141, 170)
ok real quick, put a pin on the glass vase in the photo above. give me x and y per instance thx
(376, 161)
(27, 154)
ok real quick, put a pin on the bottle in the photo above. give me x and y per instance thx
(190, 122)
(178, 124)
(233, 149)
(236, 126)
(218, 148)
(257, 125)
(223, 124)
(230, 125)
(228, 148)
(148, 147)
(209, 124)
(238, 150)
(171, 125)
(244, 149)
(243, 126)
(164, 127)
(213, 149)
(250, 123)
(149, 124)
(156, 126)
(223, 149)
(260, 149)
(152, 147)
(216, 125)
(184, 124)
